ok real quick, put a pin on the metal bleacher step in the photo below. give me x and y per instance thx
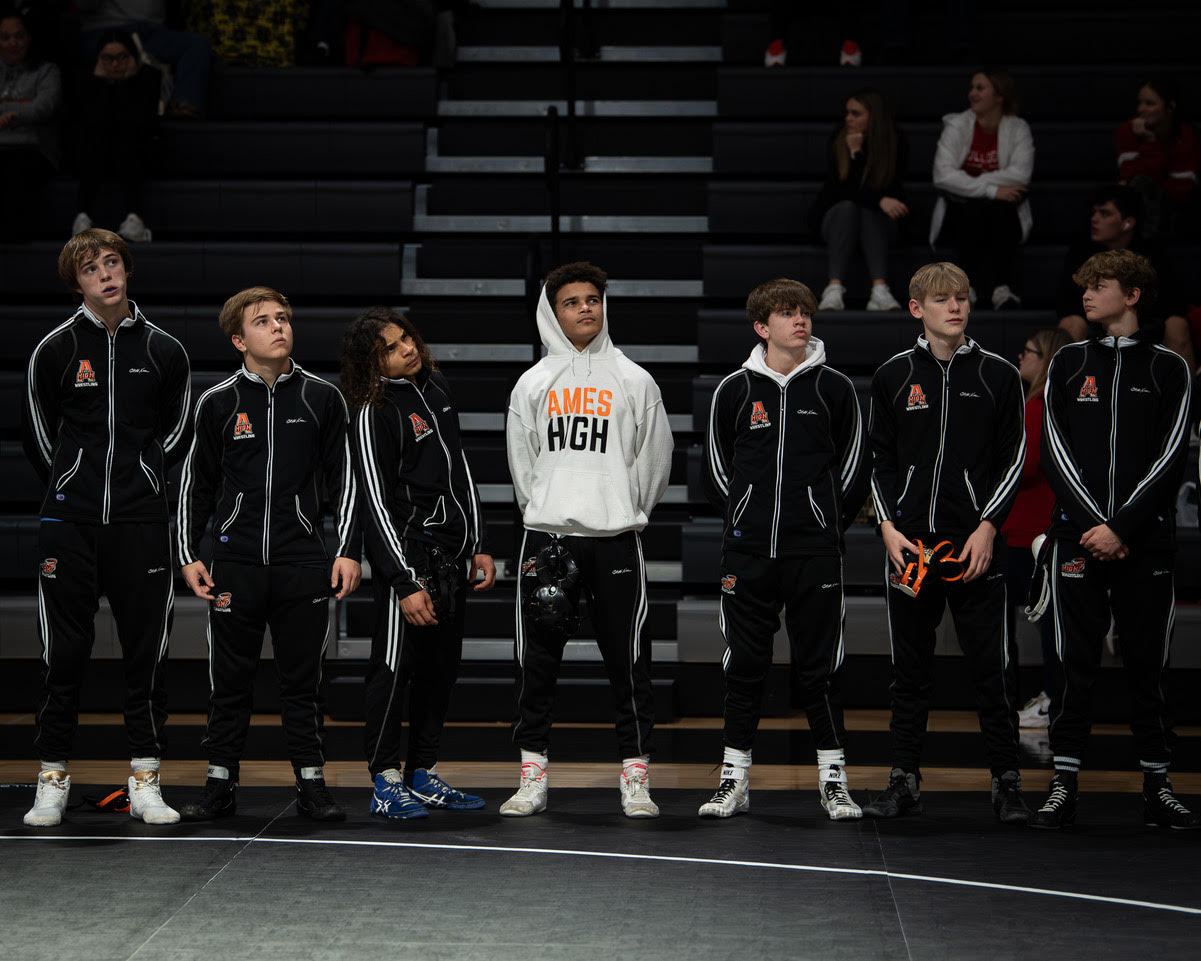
(574, 223)
(584, 108)
(413, 285)
(606, 54)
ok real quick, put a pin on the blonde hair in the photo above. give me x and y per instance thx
(940, 278)
(230, 318)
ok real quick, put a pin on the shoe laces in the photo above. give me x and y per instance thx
(317, 792)
(836, 791)
(725, 791)
(1058, 796)
(1168, 800)
(441, 787)
(532, 775)
(636, 781)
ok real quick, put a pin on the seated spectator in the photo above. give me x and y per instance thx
(118, 122)
(982, 169)
(1030, 515)
(862, 197)
(1157, 154)
(188, 54)
(30, 98)
(1115, 225)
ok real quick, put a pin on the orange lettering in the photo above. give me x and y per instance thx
(589, 394)
(552, 405)
(603, 403)
(571, 401)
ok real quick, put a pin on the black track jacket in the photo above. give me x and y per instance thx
(257, 465)
(104, 417)
(948, 440)
(786, 457)
(1115, 438)
(417, 485)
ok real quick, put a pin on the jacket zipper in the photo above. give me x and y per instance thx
(270, 471)
(775, 520)
(970, 490)
(112, 435)
(942, 437)
(1113, 422)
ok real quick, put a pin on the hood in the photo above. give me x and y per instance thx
(815, 356)
(556, 342)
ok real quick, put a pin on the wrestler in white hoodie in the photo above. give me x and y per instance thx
(589, 450)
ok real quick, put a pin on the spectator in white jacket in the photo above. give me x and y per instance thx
(982, 169)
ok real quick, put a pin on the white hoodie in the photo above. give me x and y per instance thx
(588, 440)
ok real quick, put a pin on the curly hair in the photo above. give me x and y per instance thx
(1129, 269)
(362, 368)
(581, 272)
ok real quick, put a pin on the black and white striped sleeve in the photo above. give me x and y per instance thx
(1010, 444)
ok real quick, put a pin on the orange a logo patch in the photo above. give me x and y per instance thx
(420, 427)
(221, 603)
(917, 397)
(758, 414)
(85, 376)
(242, 427)
(1088, 390)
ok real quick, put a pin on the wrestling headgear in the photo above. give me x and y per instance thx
(551, 605)
(938, 561)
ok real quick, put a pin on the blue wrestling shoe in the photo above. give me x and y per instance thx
(393, 800)
(432, 791)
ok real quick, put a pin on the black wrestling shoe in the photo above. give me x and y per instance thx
(1007, 801)
(220, 799)
(1162, 809)
(1059, 809)
(900, 797)
(313, 800)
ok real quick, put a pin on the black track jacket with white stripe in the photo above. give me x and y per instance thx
(105, 415)
(786, 457)
(1115, 438)
(417, 485)
(948, 441)
(258, 462)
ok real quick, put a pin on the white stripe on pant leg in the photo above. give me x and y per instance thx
(394, 652)
(519, 639)
(636, 639)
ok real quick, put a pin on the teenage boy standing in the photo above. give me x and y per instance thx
(268, 439)
(589, 451)
(948, 437)
(1115, 438)
(106, 411)
(425, 541)
(786, 465)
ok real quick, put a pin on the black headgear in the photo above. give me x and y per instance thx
(551, 606)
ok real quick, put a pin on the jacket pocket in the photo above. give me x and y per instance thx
(65, 477)
(740, 507)
(970, 490)
(908, 478)
(233, 515)
(149, 473)
(304, 521)
(438, 514)
(817, 511)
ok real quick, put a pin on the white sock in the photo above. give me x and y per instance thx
(312, 773)
(735, 764)
(53, 766)
(643, 760)
(533, 757)
(392, 776)
(217, 771)
(144, 764)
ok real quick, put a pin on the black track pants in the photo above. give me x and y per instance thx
(613, 580)
(131, 565)
(809, 589)
(428, 657)
(1141, 595)
(978, 610)
(293, 600)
